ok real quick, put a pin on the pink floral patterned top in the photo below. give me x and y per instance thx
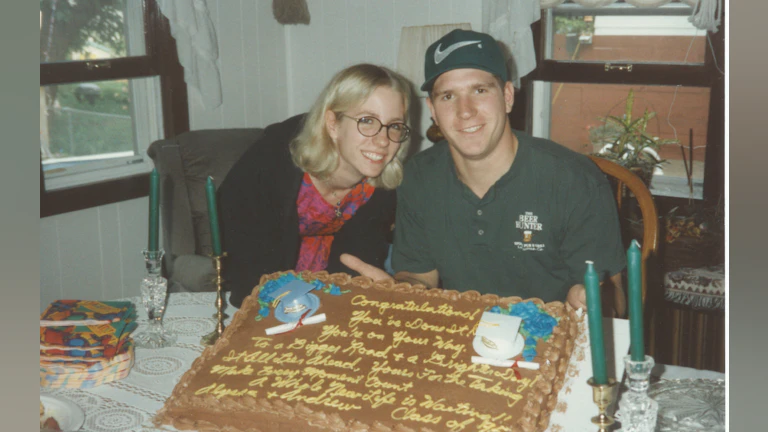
(319, 221)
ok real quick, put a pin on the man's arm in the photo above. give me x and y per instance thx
(429, 279)
(577, 296)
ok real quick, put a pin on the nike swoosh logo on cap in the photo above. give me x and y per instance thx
(441, 55)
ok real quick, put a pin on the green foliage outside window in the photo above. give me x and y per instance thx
(578, 25)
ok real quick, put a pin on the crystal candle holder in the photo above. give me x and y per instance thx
(154, 289)
(637, 412)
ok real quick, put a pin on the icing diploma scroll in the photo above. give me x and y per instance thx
(283, 328)
(505, 363)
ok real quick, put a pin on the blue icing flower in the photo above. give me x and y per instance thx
(524, 310)
(267, 289)
(540, 326)
(335, 290)
(317, 284)
(270, 286)
(496, 309)
(529, 341)
(264, 311)
(284, 279)
(529, 354)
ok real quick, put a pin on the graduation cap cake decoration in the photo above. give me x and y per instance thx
(498, 337)
(294, 300)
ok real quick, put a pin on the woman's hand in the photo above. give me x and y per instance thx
(364, 268)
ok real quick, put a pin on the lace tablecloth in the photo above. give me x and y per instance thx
(129, 404)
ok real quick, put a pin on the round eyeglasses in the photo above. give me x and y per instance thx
(370, 126)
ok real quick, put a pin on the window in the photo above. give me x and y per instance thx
(110, 84)
(589, 59)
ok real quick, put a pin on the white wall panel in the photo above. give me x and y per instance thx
(335, 38)
(80, 253)
(382, 33)
(440, 12)
(357, 31)
(409, 13)
(133, 224)
(231, 64)
(252, 72)
(93, 253)
(111, 253)
(271, 92)
(50, 266)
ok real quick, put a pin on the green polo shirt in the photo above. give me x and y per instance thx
(528, 236)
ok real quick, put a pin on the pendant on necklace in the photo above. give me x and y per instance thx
(338, 209)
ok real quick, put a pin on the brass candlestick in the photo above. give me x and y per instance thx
(212, 337)
(603, 395)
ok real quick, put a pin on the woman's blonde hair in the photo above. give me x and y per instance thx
(313, 149)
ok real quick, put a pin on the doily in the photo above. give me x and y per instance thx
(106, 415)
(688, 405)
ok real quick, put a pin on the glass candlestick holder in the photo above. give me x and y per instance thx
(154, 289)
(637, 411)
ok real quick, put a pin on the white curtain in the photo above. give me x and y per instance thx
(706, 15)
(509, 21)
(648, 3)
(594, 3)
(197, 46)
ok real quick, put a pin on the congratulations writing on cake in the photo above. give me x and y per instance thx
(378, 357)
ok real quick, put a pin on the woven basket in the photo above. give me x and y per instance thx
(693, 252)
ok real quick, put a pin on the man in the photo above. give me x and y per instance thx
(492, 209)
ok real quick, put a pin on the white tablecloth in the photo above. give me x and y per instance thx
(129, 404)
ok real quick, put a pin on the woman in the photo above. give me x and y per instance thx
(318, 185)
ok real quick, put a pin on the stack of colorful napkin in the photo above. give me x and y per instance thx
(86, 343)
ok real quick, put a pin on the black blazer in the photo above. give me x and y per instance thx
(259, 222)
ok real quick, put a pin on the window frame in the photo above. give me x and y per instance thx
(694, 75)
(161, 60)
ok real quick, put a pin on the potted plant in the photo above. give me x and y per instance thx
(573, 28)
(625, 140)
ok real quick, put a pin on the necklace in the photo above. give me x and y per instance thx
(337, 210)
(335, 194)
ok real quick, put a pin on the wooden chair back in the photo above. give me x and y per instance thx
(626, 179)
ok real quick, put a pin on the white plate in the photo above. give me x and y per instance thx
(69, 415)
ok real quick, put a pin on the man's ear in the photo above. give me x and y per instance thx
(509, 96)
(431, 110)
(331, 124)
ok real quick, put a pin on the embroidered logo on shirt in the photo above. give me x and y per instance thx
(528, 225)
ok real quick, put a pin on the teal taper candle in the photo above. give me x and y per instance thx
(154, 210)
(635, 277)
(595, 315)
(213, 216)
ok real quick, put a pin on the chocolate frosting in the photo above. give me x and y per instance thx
(208, 411)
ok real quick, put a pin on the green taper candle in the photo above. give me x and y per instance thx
(213, 216)
(154, 210)
(595, 316)
(635, 277)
